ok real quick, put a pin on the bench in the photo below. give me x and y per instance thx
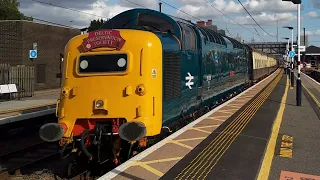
(9, 89)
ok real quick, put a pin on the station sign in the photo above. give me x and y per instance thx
(103, 38)
(33, 54)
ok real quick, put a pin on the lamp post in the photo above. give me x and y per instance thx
(292, 59)
(298, 2)
(287, 56)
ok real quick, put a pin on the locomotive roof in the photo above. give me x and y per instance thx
(129, 18)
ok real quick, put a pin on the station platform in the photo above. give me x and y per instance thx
(259, 134)
(42, 103)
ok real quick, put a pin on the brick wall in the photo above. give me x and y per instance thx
(51, 41)
(11, 42)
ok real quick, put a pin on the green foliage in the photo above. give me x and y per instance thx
(9, 11)
(96, 24)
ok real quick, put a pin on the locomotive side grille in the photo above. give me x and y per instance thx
(172, 75)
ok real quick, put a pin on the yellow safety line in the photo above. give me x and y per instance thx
(200, 127)
(180, 144)
(144, 164)
(191, 139)
(219, 116)
(161, 160)
(247, 96)
(267, 160)
(197, 129)
(234, 105)
(227, 110)
(26, 108)
(151, 169)
(217, 119)
(233, 125)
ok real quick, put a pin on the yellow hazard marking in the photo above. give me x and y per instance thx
(219, 116)
(286, 146)
(190, 139)
(241, 100)
(151, 169)
(267, 160)
(214, 118)
(227, 110)
(235, 105)
(201, 127)
(10, 114)
(201, 130)
(162, 160)
(202, 165)
(26, 108)
(180, 144)
(144, 164)
(247, 96)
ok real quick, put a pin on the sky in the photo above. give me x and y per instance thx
(229, 15)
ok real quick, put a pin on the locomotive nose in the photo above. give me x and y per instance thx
(52, 132)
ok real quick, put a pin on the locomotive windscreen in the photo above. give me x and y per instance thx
(103, 63)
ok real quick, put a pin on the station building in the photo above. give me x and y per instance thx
(17, 38)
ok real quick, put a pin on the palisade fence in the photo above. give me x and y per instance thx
(22, 76)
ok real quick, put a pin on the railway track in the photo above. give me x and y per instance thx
(20, 158)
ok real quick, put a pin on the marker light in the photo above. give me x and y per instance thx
(99, 104)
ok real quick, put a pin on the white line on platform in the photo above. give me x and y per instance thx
(311, 78)
(113, 173)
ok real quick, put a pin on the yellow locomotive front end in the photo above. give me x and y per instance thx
(112, 84)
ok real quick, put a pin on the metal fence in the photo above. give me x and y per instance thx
(22, 76)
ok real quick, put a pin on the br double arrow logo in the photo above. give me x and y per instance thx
(189, 78)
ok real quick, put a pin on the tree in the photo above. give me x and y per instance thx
(9, 11)
(96, 24)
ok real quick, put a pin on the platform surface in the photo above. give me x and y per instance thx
(297, 152)
(167, 157)
(260, 134)
(42, 99)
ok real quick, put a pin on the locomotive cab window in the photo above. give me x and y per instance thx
(189, 37)
(154, 23)
(103, 63)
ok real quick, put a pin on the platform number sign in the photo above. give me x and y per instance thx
(33, 54)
